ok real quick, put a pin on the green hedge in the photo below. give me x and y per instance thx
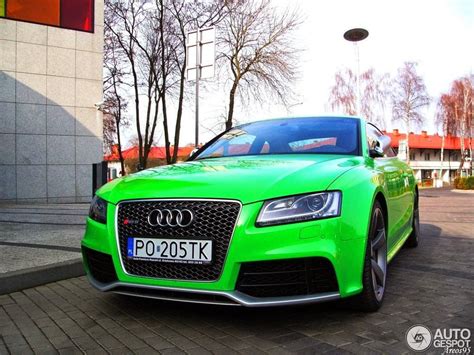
(464, 183)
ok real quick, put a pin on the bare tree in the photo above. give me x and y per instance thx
(373, 99)
(129, 23)
(444, 114)
(152, 35)
(344, 92)
(186, 16)
(256, 45)
(115, 105)
(114, 120)
(456, 114)
(152, 54)
(108, 131)
(409, 96)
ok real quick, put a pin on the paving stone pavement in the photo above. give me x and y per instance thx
(431, 285)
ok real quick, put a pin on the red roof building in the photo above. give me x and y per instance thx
(427, 141)
(155, 153)
(425, 155)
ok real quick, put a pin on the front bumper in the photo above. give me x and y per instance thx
(224, 298)
(341, 244)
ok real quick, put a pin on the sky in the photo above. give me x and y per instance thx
(438, 34)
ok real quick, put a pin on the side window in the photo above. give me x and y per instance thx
(371, 136)
(373, 133)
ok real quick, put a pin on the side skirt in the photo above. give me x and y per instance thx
(391, 254)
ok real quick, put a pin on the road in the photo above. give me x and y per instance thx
(430, 285)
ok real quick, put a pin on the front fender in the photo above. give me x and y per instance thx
(359, 188)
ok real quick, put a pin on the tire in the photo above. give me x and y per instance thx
(374, 277)
(413, 238)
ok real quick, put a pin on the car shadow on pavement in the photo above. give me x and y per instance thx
(430, 230)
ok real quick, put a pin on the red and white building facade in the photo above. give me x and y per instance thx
(425, 155)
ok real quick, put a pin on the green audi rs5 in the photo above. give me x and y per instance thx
(275, 212)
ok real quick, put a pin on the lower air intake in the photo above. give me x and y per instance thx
(288, 277)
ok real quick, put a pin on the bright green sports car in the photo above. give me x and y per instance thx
(276, 212)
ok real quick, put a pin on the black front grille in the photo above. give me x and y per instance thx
(288, 277)
(100, 265)
(213, 220)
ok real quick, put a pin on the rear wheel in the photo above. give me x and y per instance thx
(412, 240)
(375, 264)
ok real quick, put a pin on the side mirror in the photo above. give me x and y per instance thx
(192, 152)
(379, 146)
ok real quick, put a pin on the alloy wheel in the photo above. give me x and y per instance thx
(378, 255)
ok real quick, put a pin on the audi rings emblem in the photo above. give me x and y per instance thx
(170, 218)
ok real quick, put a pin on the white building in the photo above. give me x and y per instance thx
(425, 155)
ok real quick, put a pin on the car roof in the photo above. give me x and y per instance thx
(302, 117)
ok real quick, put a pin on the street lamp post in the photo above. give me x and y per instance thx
(356, 35)
(200, 49)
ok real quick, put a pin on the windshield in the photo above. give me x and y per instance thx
(288, 136)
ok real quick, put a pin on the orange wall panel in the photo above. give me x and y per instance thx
(38, 11)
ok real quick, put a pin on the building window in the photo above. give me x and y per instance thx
(412, 156)
(427, 156)
(70, 14)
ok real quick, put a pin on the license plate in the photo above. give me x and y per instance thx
(170, 250)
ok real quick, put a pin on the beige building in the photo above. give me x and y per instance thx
(50, 87)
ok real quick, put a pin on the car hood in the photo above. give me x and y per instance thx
(247, 178)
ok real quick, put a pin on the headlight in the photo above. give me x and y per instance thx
(300, 208)
(98, 210)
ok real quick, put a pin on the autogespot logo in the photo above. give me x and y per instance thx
(419, 338)
(447, 341)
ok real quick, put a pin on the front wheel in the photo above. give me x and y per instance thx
(375, 264)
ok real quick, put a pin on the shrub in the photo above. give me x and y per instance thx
(457, 182)
(470, 182)
(464, 183)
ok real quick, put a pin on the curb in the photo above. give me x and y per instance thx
(19, 280)
(459, 191)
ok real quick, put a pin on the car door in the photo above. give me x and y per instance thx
(396, 190)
